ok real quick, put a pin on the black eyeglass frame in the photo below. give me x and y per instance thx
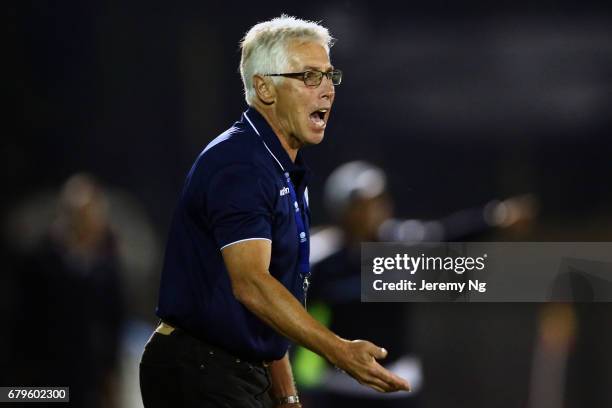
(303, 75)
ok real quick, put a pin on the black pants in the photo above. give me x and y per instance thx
(179, 371)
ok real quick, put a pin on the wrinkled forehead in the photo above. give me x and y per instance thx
(304, 55)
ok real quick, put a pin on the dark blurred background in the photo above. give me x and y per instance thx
(463, 105)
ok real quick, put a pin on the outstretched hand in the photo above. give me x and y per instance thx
(359, 360)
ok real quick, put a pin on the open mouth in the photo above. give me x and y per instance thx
(318, 117)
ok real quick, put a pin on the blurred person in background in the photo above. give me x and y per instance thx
(357, 198)
(70, 305)
(237, 260)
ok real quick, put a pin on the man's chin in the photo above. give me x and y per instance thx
(315, 138)
(313, 142)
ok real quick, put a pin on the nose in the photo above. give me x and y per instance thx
(327, 89)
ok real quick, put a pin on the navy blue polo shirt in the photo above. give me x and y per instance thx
(235, 191)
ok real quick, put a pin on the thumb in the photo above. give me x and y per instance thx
(379, 352)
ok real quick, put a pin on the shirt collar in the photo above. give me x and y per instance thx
(256, 121)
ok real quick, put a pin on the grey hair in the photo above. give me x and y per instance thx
(264, 47)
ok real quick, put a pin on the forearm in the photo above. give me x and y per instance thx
(269, 300)
(281, 376)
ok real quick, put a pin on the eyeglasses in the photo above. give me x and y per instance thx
(314, 78)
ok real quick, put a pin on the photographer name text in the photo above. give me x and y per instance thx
(425, 286)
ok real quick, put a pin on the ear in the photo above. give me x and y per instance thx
(265, 89)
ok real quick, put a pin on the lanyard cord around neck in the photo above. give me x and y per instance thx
(300, 221)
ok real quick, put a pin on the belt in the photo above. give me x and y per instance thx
(165, 329)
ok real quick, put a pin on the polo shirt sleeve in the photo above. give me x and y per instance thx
(239, 205)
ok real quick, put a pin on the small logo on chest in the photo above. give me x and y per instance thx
(284, 191)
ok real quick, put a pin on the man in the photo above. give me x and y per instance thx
(236, 268)
(70, 285)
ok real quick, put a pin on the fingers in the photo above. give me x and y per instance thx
(398, 383)
(383, 386)
(392, 381)
(369, 372)
(383, 380)
(376, 384)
